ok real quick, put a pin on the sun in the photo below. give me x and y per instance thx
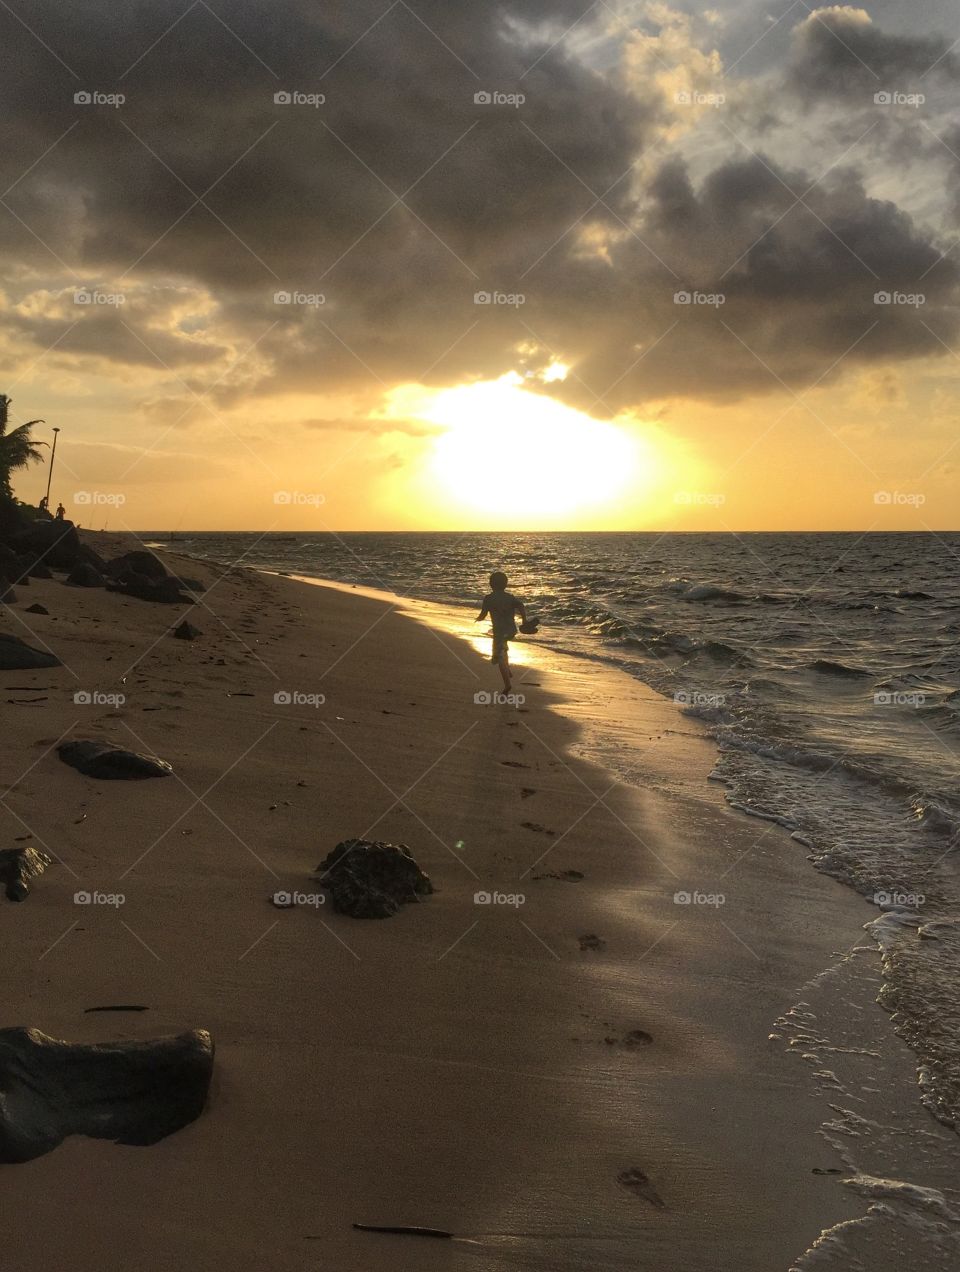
(515, 457)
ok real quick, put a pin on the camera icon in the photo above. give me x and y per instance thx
(82, 297)
(282, 298)
(882, 298)
(882, 497)
(282, 497)
(682, 698)
(82, 98)
(882, 98)
(282, 99)
(483, 698)
(282, 698)
(681, 898)
(482, 99)
(482, 298)
(482, 898)
(882, 698)
(682, 98)
(82, 497)
(83, 698)
(681, 298)
(282, 898)
(881, 898)
(81, 898)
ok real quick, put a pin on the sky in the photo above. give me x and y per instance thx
(468, 265)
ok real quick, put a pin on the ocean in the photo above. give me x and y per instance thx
(825, 665)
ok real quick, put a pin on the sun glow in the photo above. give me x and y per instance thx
(512, 457)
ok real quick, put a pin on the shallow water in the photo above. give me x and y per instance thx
(827, 667)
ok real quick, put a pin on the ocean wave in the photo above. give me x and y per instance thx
(824, 667)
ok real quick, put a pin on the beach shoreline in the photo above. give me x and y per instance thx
(588, 1069)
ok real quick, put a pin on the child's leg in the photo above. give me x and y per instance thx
(504, 665)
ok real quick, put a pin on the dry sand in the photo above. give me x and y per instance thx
(462, 1066)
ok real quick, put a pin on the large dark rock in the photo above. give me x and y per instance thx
(7, 597)
(187, 631)
(56, 543)
(99, 759)
(166, 591)
(90, 557)
(369, 879)
(139, 562)
(17, 656)
(18, 866)
(84, 574)
(128, 1092)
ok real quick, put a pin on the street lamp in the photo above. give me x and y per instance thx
(53, 455)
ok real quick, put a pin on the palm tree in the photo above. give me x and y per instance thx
(17, 448)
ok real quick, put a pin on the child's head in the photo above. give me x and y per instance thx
(498, 581)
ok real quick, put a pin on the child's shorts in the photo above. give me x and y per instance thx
(501, 648)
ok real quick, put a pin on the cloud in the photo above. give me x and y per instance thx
(400, 197)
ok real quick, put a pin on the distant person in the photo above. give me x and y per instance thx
(61, 512)
(501, 606)
(44, 504)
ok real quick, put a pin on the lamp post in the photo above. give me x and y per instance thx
(53, 456)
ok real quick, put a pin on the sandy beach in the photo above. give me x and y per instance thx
(584, 1078)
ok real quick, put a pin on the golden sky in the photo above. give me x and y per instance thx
(475, 266)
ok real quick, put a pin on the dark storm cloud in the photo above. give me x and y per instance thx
(537, 201)
(837, 51)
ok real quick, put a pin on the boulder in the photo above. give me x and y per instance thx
(166, 591)
(139, 562)
(18, 866)
(85, 575)
(191, 585)
(369, 879)
(187, 631)
(90, 557)
(36, 609)
(129, 1092)
(15, 655)
(40, 571)
(7, 597)
(99, 759)
(56, 543)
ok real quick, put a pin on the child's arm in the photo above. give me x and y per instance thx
(483, 612)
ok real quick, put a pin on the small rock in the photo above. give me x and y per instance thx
(187, 631)
(98, 759)
(18, 866)
(36, 609)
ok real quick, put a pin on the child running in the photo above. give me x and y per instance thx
(501, 606)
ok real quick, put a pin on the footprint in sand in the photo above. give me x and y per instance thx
(536, 826)
(526, 792)
(513, 764)
(592, 942)
(637, 1181)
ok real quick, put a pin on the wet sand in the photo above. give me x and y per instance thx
(584, 1079)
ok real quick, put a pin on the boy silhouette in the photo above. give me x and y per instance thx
(501, 606)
